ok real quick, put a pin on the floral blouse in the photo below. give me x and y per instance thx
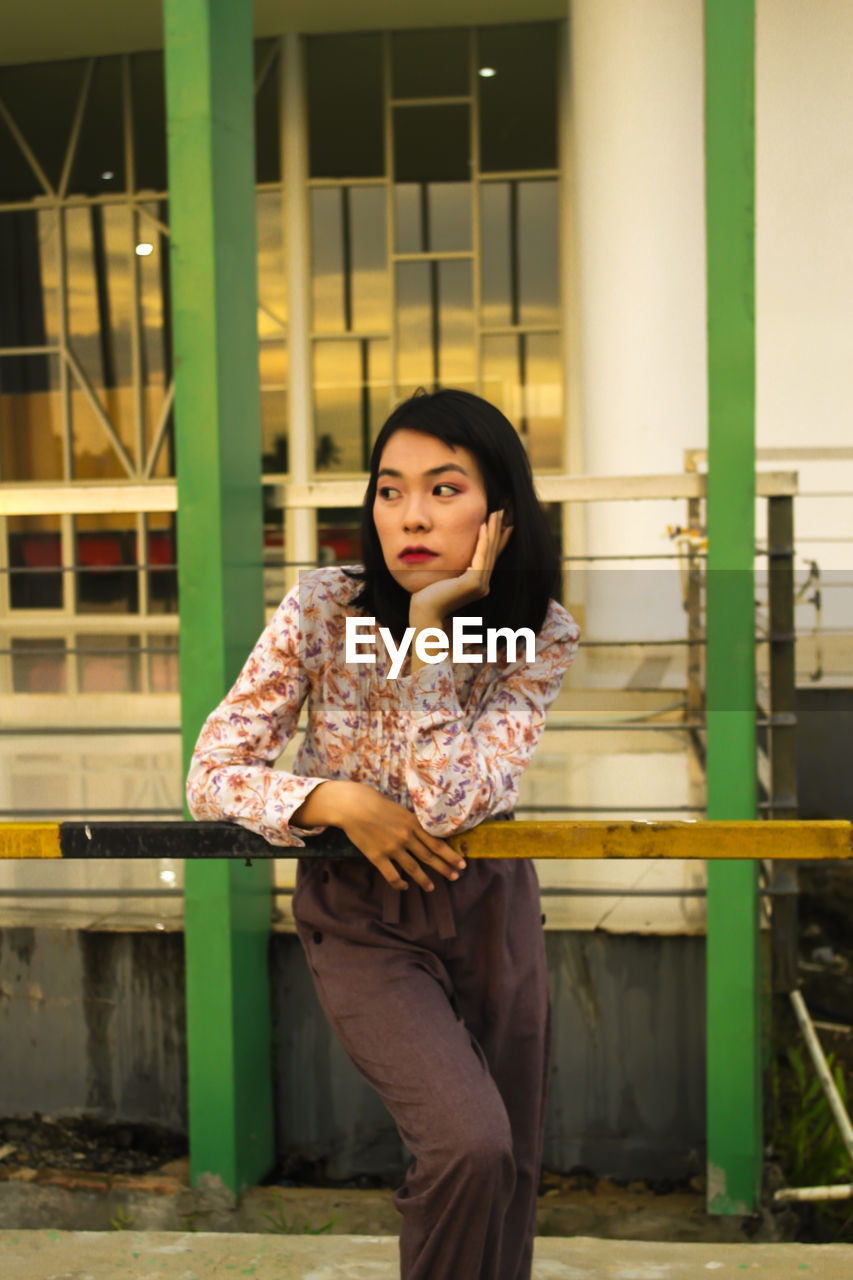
(450, 742)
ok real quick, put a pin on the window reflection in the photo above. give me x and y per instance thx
(432, 217)
(28, 278)
(160, 534)
(272, 365)
(522, 374)
(38, 666)
(152, 277)
(435, 324)
(100, 243)
(35, 556)
(108, 663)
(30, 418)
(349, 274)
(520, 246)
(272, 282)
(351, 401)
(103, 546)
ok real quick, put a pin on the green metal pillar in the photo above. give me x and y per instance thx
(733, 989)
(210, 108)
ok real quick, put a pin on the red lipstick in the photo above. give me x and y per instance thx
(417, 555)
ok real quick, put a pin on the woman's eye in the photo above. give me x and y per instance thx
(449, 487)
(388, 492)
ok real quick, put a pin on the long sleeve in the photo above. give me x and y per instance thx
(231, 775)
(459, 777)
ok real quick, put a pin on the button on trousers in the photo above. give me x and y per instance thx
(453, 1033)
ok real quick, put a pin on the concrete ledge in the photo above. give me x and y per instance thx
(50, 1255)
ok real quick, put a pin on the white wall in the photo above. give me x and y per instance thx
(637, 117)
(639, 212)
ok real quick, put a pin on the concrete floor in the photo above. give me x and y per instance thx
(160, 1255)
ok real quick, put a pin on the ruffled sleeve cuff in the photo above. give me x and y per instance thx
(283, 800)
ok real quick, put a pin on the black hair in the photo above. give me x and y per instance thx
(527, 572)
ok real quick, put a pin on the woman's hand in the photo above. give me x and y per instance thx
(432, 604)
(388, 835)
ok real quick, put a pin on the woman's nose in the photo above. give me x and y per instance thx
(415, 515)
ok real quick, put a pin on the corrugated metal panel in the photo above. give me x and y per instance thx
(94, 1023)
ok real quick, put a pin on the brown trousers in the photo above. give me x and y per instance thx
(441, 1002)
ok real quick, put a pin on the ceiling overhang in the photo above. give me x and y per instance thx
(48, 30)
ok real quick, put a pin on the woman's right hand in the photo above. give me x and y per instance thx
(388, 835)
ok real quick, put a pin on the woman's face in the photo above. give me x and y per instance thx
(430, 502)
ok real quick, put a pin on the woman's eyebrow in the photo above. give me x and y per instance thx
(433, 471)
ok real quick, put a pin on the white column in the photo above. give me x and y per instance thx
(636, 107)
(300, 525)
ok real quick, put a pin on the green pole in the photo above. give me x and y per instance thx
(210, 110)
(733, 987)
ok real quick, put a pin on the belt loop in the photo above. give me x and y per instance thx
(390, 903)
(441, 909)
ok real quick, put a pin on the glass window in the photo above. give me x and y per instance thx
(148, 98)
(28, 278)
(25, 90)
(430, 64)
(518, 104)
(162, 557)
(99, 248)
(345, 113)
(163, 663)
(104, 545)
(522, 375)
(38, 666)
(99, 160)
(152, 274)
(351, 401)
(339, 535)
(267, 113)
(538, 252)
(432, 216)
(35, 559)
(272, 362)
(108, 663)
(30, 418)
(432, 144)
(349, 259)
(272, 283)
(435, 325)
(520, 247)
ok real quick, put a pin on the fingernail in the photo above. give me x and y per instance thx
(454, 875)
(461, 864)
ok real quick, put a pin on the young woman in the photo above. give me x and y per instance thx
(432, 973)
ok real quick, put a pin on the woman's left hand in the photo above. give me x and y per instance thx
(432, 604)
